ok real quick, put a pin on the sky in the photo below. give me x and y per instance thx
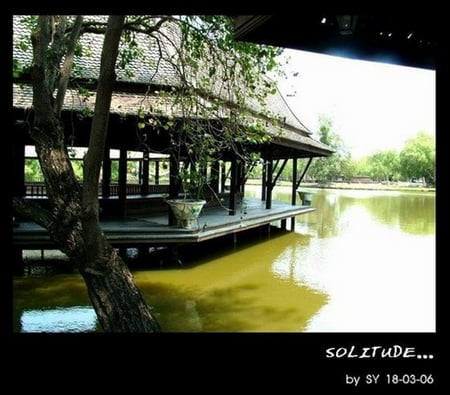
(374, 106)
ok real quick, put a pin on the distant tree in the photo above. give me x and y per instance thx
(286, 174)
(325, 133)
(33, 171)
(349, 167)
(78, 169)
(418, 158)
(115, 171)
(133, 170)
(336, 165)
(362, 167)
(384, 165)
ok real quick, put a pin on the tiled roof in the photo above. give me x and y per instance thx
(293, 139)
(144, 72)
(128, 103)
(143, 68)
(121, 103)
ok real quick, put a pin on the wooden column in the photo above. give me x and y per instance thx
(264, 180)
(157, 163)
(214, 181)
(233, 189)
(122, 180)
(106, 173)
(241, 178)
(173, 179)
(294, 189)
(173, 187)
(145, 173)
(294, 182)
(174, 255)
(269, 184)
(223, 176)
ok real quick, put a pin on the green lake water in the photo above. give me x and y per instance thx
(364, 261)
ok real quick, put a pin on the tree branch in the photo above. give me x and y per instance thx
(41, 93)
(57, 49)
(149, 29)
(99, 126)
(67, 66)
(33, 211)
(135, 26)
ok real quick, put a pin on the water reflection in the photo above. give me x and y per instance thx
(373, 254)
(413, 212)
(68, 319)
(377, 281)
(233, 292)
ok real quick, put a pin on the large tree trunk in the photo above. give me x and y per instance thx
(118, 302)
(73, 220)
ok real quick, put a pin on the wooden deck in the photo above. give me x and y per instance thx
(153, 229)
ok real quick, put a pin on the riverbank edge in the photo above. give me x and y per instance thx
(352, 186)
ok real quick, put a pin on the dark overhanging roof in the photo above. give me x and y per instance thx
(400, 38)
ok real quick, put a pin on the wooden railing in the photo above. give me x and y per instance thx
(38, 189)
(35, 189)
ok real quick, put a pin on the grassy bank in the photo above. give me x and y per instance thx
(405, 187)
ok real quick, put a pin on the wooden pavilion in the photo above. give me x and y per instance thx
(135, 213)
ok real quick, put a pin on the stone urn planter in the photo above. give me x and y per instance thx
(186, 212)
